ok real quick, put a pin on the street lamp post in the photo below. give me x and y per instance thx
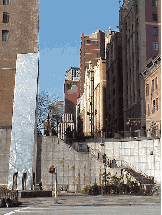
(105, 177)
(105, 165)
(53, 170)
(56, 184)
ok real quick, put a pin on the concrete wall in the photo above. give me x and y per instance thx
(5, 140)
(23, 121)
(75, 169)
(136, 154)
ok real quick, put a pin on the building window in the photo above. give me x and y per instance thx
(114, 91)
(156, 83)
(147, 89)
(88, 41)
(157, 104)
(155, 31)
(5, 17)
(153, 86)
(113, 80)
(136, 8)
(113, 103)
(153, 110)
(5, 34)
(109, 107)
(155, 46)
(154, 16)
(114, 114)
(148, 109)
(5, 2)
(154, 3)
(109, 118)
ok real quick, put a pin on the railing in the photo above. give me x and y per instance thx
(119, 163)
(11, 194)
(114, 135)
(124, 164)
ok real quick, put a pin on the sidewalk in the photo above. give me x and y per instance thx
(85, 200)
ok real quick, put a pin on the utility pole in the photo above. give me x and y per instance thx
(92, 102)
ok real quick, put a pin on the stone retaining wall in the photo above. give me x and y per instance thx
(141, 155)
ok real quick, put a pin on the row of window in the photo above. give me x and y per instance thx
(155, 106)
(154, 86)
(93, 41)
(6, 2)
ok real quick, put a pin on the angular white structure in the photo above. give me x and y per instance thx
(23, 122)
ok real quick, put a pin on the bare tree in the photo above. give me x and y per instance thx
(48, 111)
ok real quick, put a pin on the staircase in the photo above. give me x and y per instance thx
(139, 177)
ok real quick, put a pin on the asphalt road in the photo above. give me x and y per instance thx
(83, 204)
(68, 210)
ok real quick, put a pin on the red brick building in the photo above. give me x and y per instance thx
(18, 35)
(71, 89)
(18, 59)
(92, 48)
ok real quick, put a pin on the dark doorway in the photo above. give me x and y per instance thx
(15, 181)
(24, 180)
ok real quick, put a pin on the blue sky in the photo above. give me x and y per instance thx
(61, 24)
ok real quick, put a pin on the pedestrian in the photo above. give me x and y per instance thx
(40, 185)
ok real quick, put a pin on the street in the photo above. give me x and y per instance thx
(84, 204)
(112, 210)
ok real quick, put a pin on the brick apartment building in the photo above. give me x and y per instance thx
(114, 87)
(19, 49)
(92, 104)
(19, 35)
(92, 48)
(141, 39)
(100, 97)
(71, 89)
(152, 77)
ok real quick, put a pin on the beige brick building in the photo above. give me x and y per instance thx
(152, 77)
(92, 103)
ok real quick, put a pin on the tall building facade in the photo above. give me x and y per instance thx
(141, 32)
(71, 89)
(91, 107)
(18, 35)
(114, 87)
(18, 90)
(92, 48)
(152, 77)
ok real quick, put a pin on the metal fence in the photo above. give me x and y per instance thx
(11, 194)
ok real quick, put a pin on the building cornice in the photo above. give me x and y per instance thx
(151, 66)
